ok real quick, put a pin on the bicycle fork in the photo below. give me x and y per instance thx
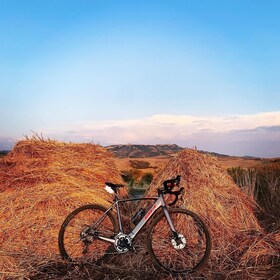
(178, 241)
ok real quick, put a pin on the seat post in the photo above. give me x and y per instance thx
(116, 198)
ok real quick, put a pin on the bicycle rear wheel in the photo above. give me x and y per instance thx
(78, 236)
(186, 254)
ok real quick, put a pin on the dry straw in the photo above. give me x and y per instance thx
(240, 247)
(40, 183)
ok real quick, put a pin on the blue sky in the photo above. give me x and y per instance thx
(195, 73)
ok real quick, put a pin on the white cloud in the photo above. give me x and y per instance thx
(6, 143)
(220, 124)
(255, 134)
(215, 133)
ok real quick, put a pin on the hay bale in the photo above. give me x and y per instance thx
(41, 182)
(228, 212)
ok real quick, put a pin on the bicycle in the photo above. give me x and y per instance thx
(178, 240)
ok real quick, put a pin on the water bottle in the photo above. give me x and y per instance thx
(138, 216)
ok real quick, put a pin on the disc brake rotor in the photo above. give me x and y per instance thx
(180, 243)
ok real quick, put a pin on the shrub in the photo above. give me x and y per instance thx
(139, 164)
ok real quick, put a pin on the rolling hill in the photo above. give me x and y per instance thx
(159, 155)
(144, 151)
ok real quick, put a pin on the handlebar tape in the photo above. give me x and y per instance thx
(171, 183)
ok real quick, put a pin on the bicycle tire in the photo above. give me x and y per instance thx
(195, 239)
(71, 245)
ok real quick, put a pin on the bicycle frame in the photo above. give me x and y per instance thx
(159, 202)
(91, 231)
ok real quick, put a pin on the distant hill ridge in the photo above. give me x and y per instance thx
(143, 151)
(3, 153)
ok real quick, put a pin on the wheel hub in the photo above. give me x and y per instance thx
(87, 235)
(179, 243)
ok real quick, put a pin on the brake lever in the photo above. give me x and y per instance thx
(176, 193)
(174, 201)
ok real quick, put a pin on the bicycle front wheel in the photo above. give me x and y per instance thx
(78, 236)
(186, 253)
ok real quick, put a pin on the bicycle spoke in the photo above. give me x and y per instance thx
(191, 249)
(78, 241)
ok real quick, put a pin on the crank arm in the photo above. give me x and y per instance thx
(110, 240)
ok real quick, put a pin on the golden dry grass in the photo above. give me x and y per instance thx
(228, 162)
(225, 162)
(239, 243)
(156, 164)
(41, 182)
